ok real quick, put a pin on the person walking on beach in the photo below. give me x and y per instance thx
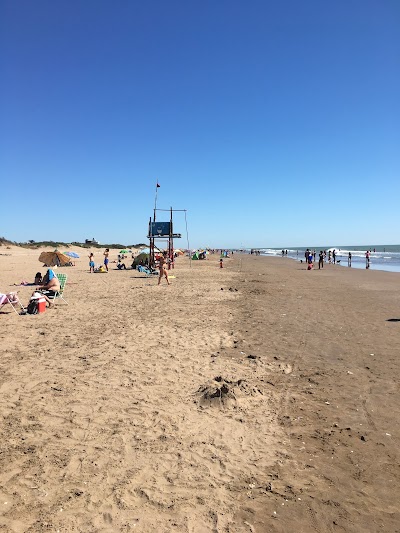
(349, 260)
(91, 263)
(106, 260)
(334, 257)
(163, 270)
(321, 260)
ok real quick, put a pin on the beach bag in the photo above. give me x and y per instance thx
(33, 307)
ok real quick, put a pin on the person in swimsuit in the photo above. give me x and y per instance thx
(49, 289)
(163, 270)
(106, 254)
(91, 263)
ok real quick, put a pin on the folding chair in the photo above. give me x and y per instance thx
(62, 278)
(12, 299)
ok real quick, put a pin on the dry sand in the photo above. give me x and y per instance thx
(111, 418)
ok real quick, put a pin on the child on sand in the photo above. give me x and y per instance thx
(106, 254)
(310, 265)
(91, 263)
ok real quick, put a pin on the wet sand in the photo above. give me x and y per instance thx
(255, 398)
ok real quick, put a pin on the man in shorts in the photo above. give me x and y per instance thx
(106, 258)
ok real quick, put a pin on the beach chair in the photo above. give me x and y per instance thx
(12, 299)
(62, 278)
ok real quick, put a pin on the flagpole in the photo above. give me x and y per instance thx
(155, 202)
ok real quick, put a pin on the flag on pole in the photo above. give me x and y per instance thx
(158, 185)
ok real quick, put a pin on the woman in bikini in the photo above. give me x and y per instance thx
(163, 270)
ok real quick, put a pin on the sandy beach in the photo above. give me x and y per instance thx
(255, 398)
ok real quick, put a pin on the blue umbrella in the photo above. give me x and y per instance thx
(72, 254)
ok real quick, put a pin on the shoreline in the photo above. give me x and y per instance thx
(109, 408)
(355, 264)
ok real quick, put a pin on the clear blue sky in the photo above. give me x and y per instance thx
(272, 123)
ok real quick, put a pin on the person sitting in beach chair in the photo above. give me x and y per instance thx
(50, 286)
(12, 299)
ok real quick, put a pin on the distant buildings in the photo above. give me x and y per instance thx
(91, 241)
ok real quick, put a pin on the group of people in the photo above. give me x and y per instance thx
(310, 258)
(162, 264)
(92, 265)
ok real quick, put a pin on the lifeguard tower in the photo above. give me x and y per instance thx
(162, 231)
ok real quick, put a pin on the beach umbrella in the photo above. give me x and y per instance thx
(145, 251)
(72, 254)
(55, 258)
(124, 251)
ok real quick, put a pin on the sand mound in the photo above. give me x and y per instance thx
(224, 394)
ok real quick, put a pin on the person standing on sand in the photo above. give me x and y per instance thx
(349, 260)
(334, 257)
(106, 260)
(310, 264)
(163, 270)
(91, 263)
(321, 260)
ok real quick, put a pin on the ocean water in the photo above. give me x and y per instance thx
(381, 258)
